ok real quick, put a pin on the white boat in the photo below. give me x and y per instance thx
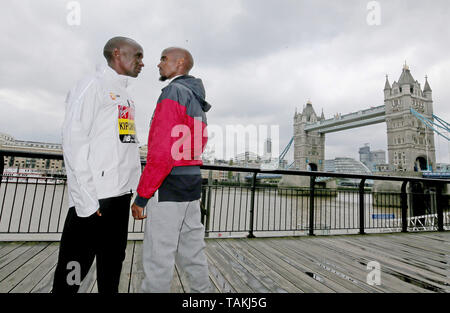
(28, 176)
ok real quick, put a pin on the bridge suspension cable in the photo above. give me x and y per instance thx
(439, 128)
(430, 124)
(285, 151)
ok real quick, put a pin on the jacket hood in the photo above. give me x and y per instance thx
(197, 88)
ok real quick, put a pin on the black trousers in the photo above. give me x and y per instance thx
(84, 238)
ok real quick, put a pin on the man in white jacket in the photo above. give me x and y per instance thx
(102, 162)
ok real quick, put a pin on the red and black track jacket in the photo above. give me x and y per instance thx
(176, 141)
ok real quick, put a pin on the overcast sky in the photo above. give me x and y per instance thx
(259, 60)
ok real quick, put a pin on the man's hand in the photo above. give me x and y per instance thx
(137, 212)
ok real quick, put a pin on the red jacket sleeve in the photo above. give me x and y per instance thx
(168, 114)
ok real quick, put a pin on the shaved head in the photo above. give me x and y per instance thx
(116, 43)
(124, 55)
(181, 54)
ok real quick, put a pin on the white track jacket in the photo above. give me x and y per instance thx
(101, 153)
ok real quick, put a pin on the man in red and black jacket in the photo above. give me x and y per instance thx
(171, 180)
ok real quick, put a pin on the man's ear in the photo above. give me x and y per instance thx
(180, 62)
(116, 52)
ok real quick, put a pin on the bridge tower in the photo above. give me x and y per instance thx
(410, 143)
(309, 147)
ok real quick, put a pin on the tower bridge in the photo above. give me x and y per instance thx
(410, 142)
(361, 118)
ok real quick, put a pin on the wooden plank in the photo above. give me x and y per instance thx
(94, 288)
(440, 236)
(337, 267)
(31, 249)
(15, 251)
(137, 272)
(400, 260)
(417, 241)
(414, 255)
(402, 248)
(3, 244)
(246, 276)
(223, 271)
(177, 285)
(341, 254)
(320, 264)
(267, 284)
(180, 283)
(90, 279)
(23, 271)
(389, 265)
(125, 275)
(286, 267)
(273, 281)
(218, 280)
(214, 286)
(46, 283)
(292, 269)
(337, 260)
(422, 244)
(38, 274)
(8, 247)
(406, 265)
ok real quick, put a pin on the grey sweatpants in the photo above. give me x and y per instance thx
(174, 233)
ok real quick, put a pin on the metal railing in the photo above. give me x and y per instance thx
(314, 210)
(33, 206)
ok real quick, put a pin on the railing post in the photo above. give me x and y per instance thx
(202, 203)
(312, 183)
(440, 207)
(404, 203)
(361, 207)
(2, 164)
(208, 204)
(252, 207)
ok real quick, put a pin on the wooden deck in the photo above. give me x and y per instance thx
(413, 262)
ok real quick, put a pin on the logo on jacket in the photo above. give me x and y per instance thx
(127, 128)
(113, 96)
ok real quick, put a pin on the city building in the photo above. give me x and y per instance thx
(372, 159)
(247, 159)
(268, 149)
(347, 166)
(8, 142)
(443, 167)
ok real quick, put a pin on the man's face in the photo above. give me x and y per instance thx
(168, 66)
(130, 61)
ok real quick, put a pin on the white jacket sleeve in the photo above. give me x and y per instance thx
(82, 104)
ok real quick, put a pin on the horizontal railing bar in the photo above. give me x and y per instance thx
(58, 156)
(252, 170)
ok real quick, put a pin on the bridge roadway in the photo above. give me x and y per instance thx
(409, 262)
(361, 118)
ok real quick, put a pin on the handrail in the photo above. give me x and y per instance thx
(58, 156)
